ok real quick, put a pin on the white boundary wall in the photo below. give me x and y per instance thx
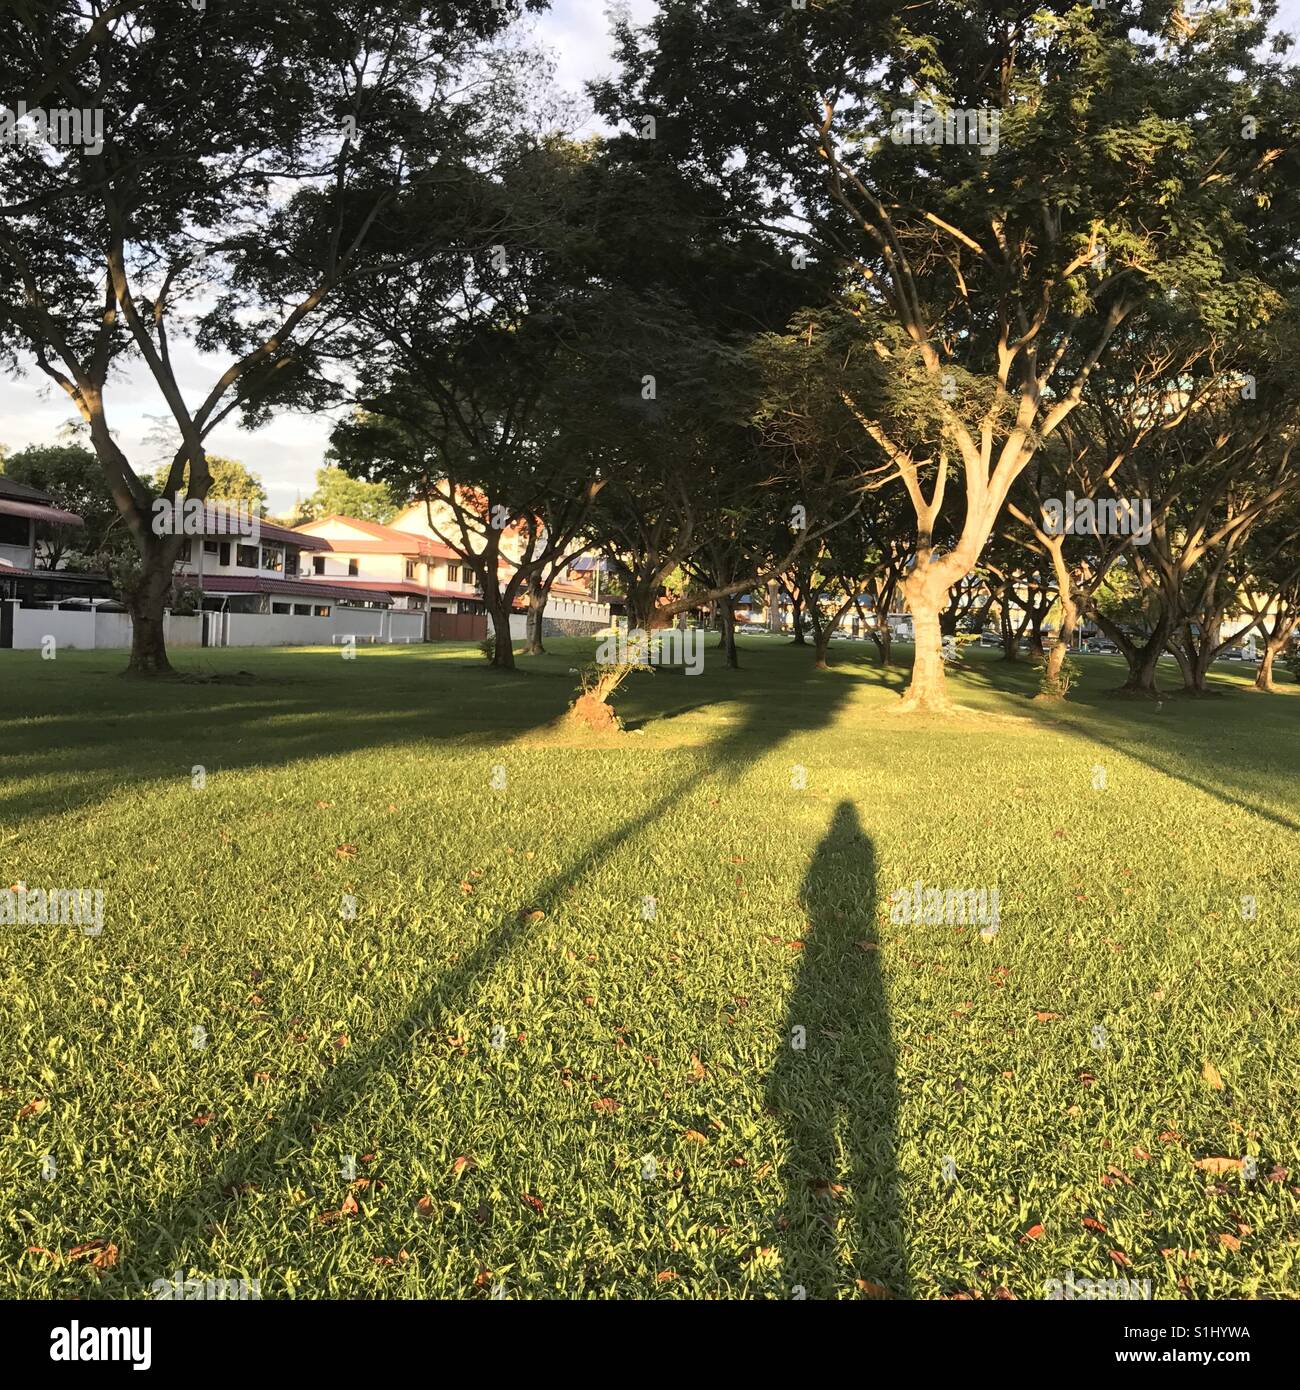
(91, 629)
(86, 630)
(380, 626)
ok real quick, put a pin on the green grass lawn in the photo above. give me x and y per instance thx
(549, 1086)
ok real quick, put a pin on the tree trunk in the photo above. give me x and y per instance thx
(796, 611)
(536, 607)
(821, 644)
(729, 635)
(1141, 678)
(503, 655)
(146, 603)
(1052, 687)
(1009, 652)
(1264, 676)
(927, 598)
(880, 635)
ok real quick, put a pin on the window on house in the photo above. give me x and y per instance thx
(272, 560)
(224, 557)
(453, 574)
(410, 569)
(13, 530)
(290, 561)
(318, 564)
(183, 555)
(210, 547)
(282, 608)
(322, 612)
(303, 610)
(246, 557)
(354, 567)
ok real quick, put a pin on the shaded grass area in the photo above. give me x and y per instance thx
(570, 1018)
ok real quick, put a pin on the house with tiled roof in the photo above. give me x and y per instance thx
(365, 557)
(239, 567)
(22, 509)
(571, 606)
(25, 513)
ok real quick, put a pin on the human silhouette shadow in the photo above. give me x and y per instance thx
(841, 1231)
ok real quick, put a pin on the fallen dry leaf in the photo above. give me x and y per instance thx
(1217, 1165)
(1121, 1258)
(425, 1209)
(460, 1164)
(1045, 1015)
(103, 1254)
(1033, 1233)
(1210, 1075)
(1232, 1242)
(606, 1105)
(33, 1107)
(1093, 1224)
(693, 1136)
(346, 851)
(872, 1289)
(535, 1203)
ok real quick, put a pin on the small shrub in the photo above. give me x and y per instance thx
(186, 601)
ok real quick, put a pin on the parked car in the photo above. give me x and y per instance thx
(1102, 644)
(1232, 654)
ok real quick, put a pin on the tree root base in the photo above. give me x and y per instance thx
(924, 704)
(595, 715)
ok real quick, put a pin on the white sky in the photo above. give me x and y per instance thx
(287, 453)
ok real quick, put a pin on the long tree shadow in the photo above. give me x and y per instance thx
(1246, 775)
(833, 1085)
(155, 1236)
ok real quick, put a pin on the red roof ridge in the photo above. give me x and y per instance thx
(419, 544)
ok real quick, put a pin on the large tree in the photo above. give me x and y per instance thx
(230, 134)
(1013, 185)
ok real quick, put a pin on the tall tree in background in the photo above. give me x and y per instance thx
(228, 480)
(230, 132)
(338, 493)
